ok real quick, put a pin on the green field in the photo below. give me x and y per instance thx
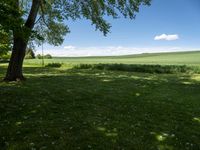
(178, 58)
(69, 109)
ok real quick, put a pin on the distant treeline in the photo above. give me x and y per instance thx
(30, 54)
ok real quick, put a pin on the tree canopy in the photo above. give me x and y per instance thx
(46, 21)
(5, 42)
(51, 22)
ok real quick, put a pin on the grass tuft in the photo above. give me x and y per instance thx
(168, 69)
(54, 65)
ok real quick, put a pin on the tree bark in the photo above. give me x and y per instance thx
(14, 71)
(21, 36)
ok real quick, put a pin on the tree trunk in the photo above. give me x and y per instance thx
(21, 37)
(14, 71)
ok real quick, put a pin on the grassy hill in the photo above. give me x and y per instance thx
(175, 58)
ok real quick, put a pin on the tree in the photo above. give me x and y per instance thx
(29, 53)
(47, 56)
(39, 56)
(44, 20)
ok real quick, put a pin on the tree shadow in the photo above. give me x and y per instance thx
(92, 109)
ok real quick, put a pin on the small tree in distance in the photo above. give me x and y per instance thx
(45, 20)
(47, 56)
(39, 56)
(29, 53)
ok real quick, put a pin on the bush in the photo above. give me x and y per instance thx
(5, 57)
(141, 68)
(54, 65)
(83, 66)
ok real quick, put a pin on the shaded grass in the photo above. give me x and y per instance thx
(95, 109)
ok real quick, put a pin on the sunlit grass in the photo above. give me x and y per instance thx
(196, 119)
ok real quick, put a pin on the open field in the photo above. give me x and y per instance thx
(178, 58)
(67, 109)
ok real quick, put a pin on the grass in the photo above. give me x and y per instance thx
(62, 108)
(142, 68)
(54, 65)
(178, 58)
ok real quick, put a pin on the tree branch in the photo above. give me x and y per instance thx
(32, 14)
(38, 20)
(43, 12)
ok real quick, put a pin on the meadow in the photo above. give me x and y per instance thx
(72, 107)
(177, 58)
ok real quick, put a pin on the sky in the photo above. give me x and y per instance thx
(165, 26)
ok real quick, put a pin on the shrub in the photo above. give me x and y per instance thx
(54, 65)
(5, 57)
(83, 66)
(141, 68)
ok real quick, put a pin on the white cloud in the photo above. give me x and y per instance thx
(166, 37)
(69, 47)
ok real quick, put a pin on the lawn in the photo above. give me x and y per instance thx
(67, 109)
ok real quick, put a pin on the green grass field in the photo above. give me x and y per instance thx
(179, 58)
(68, 109)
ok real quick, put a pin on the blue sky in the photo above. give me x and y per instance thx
(167, 25)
